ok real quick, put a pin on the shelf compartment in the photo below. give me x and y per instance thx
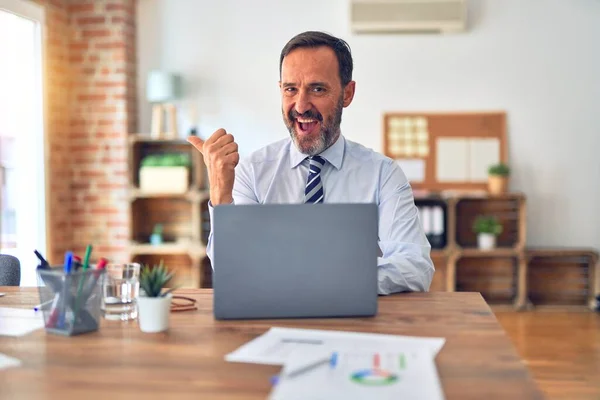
(562, 277)
(495, 278)
(142, 146)
(510, 211)
(439, 241)
(173, 213)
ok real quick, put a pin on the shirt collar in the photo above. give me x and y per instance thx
(334, 154)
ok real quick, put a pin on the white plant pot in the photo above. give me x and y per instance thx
(486, 241)
(153, 313)
(164, 180)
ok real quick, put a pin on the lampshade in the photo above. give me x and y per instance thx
(161, 86)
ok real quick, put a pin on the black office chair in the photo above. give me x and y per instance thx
(10, 270)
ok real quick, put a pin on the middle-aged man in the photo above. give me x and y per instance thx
(316, 164)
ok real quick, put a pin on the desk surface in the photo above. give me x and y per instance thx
(478, 361)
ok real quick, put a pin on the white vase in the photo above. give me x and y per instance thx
(153, 313)
(486, 241)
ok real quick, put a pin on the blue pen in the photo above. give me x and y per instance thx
(333, 359)
(68, 262)
(65, 290)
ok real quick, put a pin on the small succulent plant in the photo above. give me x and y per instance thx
(154, 279)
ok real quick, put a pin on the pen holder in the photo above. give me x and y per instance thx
(70, 302)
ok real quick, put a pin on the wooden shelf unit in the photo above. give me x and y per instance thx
(183, 249)
(499, 274)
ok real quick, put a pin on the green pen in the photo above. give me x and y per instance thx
(86, 263)
(86, 259)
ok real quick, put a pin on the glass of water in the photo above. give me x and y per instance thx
(120, 291)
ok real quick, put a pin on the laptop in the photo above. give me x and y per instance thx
(295, 260)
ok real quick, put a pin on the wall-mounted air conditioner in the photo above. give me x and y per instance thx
(408, 16)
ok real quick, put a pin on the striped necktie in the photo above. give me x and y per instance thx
(314, 187)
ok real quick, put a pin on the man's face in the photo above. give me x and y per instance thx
(312, 98)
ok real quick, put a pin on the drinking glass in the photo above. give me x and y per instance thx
(120, 291)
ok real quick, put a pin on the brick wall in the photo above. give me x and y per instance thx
(102, 55)
(91, 68)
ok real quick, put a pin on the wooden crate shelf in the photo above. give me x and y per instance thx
(510, 275)
(180, 214)
(561, 278)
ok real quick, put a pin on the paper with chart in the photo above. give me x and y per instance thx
(19, 322)
(276, 345)
(8, 362)
(361, 374)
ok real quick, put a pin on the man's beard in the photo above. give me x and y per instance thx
(330, 130)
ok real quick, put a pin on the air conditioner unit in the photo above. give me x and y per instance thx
(408, 16)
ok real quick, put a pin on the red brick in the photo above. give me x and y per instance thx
(79, 8)
(119, 84)
(92, 174)
(109, 135)
(78, 122)
(78, 45)
(111, 45)
(91, 97)
(121, 20)
(88, 71)
(76, 59)
(80, 186)
(112, 186)
(82, 224)
(117, 7)
(106, 110)
(91, 20)
(95, 33)
(85, 148)
(94, 58)
(105, 210)
(117, 224)
(78, 135)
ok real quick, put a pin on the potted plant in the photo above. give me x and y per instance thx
(154, 304)
(156, 237)
(165, 173)
(487, 228)
(498, 178)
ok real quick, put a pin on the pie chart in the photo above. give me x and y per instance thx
(374, 377)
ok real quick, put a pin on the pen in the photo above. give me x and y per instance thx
(39, 306)
(86, 258)
(68, 262)
(67, 269)
(43, 262)
(331, 360)
(82, 278)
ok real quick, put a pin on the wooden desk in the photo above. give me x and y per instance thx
(477, 362)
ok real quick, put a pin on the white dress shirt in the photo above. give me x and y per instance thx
(352, 174)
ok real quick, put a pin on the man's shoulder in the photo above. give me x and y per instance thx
(365, 154)
(272, 152)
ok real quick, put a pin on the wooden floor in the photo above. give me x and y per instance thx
(561, 349)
